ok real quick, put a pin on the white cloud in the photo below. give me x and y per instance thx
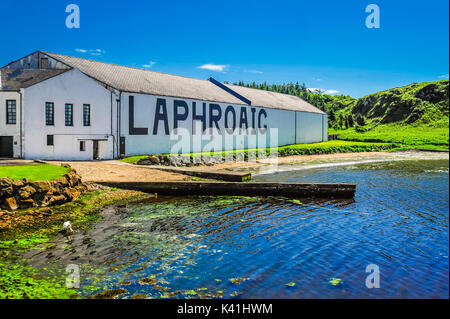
(317, 79)
(213, 67)
(319, 90)
(315, 90)
(254, 71)
(149, 65)
(445, 76)
(95, 52)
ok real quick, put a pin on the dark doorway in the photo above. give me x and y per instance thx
(122, 145)
(6, 146)
(95, 150)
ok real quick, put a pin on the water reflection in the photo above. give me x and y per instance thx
(193, 246)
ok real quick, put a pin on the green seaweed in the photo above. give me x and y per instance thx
(25, 282)
(290, 284)
(238, 281)
(335, 281)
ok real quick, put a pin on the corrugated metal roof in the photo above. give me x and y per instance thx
(274, 100)
(134, 80)
(15, 79)
(128, 79)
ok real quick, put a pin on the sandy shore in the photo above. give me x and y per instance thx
(117, 171)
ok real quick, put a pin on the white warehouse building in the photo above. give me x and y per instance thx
(57, 107)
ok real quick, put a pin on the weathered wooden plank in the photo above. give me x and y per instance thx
(298, 190)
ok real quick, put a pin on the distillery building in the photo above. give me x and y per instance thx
(60, 107)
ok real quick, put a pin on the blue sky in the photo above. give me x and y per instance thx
(324, 44)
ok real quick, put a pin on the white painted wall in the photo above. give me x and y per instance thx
(75, 88)
(325, 127)
(309, 128)
(10, 129)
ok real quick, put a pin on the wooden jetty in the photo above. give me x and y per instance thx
(293, 190)
(222, 175)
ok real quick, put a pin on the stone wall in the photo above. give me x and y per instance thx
(18, 194)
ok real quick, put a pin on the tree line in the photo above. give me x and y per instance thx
(325, 102)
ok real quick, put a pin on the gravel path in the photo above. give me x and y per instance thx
(116, 171)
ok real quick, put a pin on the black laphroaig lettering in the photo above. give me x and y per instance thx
(131, 129)
(230, 109)
(177, 116)
(264, 128)
(243, 118)
(161, 115)
(214, 119)
(196, 117)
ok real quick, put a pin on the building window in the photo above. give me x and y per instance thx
(10, 111)
(49, 113)
(86, 114)
(69, 114)
(50, 140)
(82, 146)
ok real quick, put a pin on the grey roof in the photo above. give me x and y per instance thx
(128, 79)
(274, 100)
(134, 80)
(15, 79)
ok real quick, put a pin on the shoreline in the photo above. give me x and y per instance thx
(118, 171)
(334, 158)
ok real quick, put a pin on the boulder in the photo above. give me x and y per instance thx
(44, 210)
(41, 186)
(27, 203)
(6, 187)
(73, 178)
(17, 183)
(58, 199)
(26, 192)
(81, 188)
(144, 161)
(5, 182)
(11, 203)
(72, 193)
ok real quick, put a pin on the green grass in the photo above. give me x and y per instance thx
(335, 146)
(415, 136)
(34, 172)
(133, 159)
(328, 147)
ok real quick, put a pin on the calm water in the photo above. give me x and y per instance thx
(398, 221)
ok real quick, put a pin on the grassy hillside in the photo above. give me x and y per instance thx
(415, 114)
(425, 102)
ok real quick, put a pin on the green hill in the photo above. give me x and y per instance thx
(425, 102)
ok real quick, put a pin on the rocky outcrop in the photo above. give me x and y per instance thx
(18, 194)
(186, 161)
